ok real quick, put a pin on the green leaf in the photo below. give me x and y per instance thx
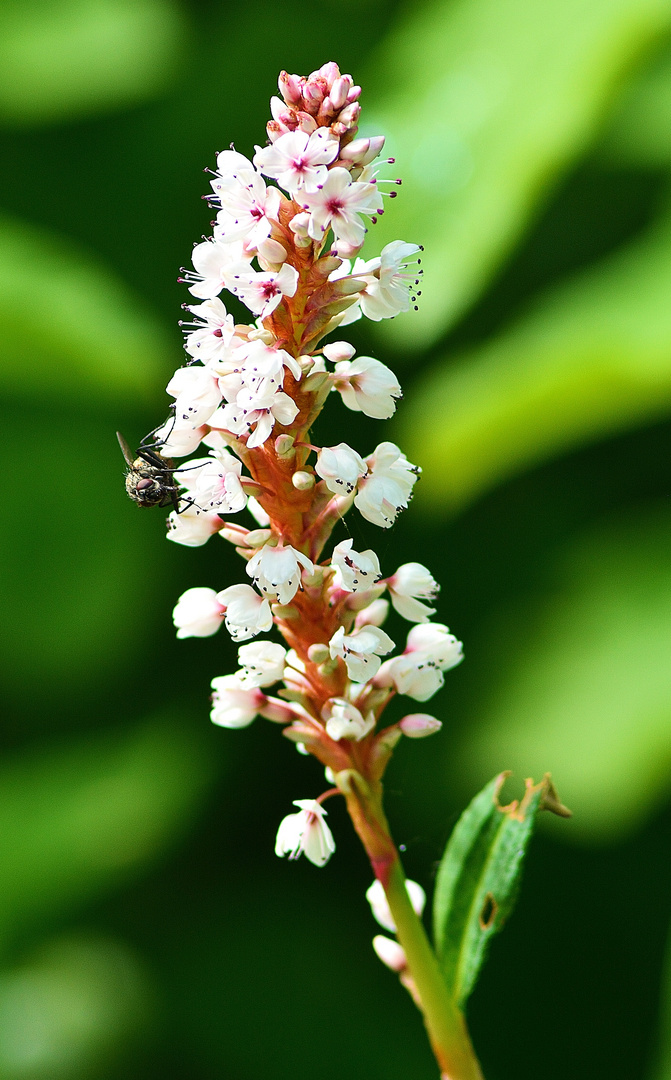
(69, 58)
(484, 103)
(591, 358)
(579, 679)
(78, 819)
(70, 326)
(478, 878)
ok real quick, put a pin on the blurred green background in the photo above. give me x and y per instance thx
(147, 928)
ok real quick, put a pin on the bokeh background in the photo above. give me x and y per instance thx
(147, 929)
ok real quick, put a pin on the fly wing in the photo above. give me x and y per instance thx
(125, 450)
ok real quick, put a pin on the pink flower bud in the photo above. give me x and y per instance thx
(291, 88)
(419, 725)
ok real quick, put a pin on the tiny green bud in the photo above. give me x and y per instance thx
(318, 653)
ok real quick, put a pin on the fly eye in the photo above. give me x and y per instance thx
(143, 485)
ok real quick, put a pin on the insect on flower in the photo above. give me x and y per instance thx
(149, 479)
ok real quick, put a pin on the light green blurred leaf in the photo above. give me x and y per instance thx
(484, 102)
(639, 132)
(478, 880)
(69, 58)
(66, 1009)
(581, 681)
(77, 818)
(70, 326)
(591, 358)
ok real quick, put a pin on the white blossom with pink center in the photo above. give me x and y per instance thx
(367, 386)
(251, 410)
(298, 161)
(214, 331)
(215, 265)
(339, 205)
(263, 292)
(248, 208)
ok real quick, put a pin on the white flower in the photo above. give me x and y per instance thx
(387, 487)
(418, 673)
(251, 409)
(344, 721)
(361, 650)
(367, 386)
(306, 832)
(248, 208)
(389, 284)
(411, 581)
(214, 264)
(197, 613)
(355, 570)
(262, 663)
(297, 160)
(276, 571)
(340, 468)
(177, 439)
(390, 953)
(375, 896)
(197, 395)
(234, 705)
(230, 166)
(214, 333)
(263, 292)
(191, 527)
(214, 482)
(262, 368)
(246, 614)
(339, 204)
(419, 725)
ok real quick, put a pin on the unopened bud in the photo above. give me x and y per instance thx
(362, 151)
(419, 725)
(284, 611)
(284, 445)
(291, 88)
(318, 653)
(302, 480)
(257, 538)
(271, 252)
(234, 534)
(337, 351)
(350, 114)
(390, 953)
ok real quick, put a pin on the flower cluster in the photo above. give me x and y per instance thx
(290, 225)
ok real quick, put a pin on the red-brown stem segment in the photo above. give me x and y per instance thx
(444, 1022)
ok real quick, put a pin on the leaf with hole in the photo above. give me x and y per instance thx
(479, 875)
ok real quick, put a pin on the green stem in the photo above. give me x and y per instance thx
(445, 1023)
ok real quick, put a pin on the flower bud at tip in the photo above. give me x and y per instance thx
(302, 480)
